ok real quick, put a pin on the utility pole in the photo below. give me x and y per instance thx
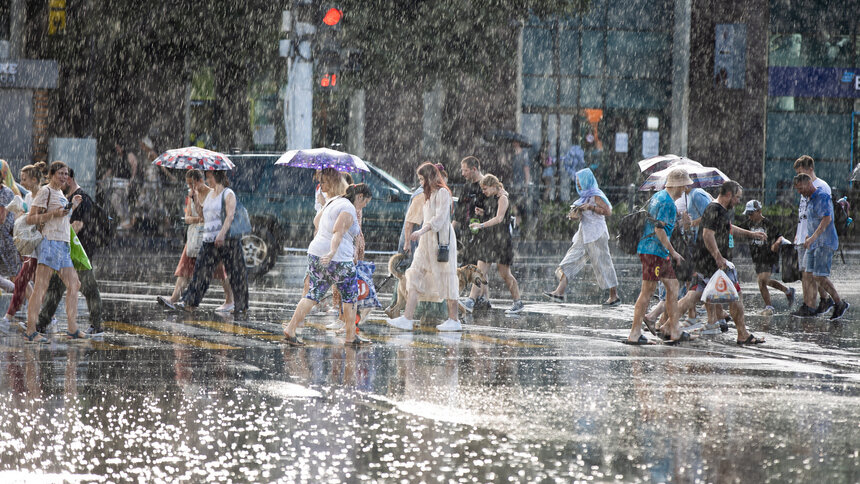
(299, 100)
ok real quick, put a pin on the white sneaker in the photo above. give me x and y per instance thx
(225, 308)
(401, 323)
(450, 325)
(335, 326)
(767, 311)
(52, 327)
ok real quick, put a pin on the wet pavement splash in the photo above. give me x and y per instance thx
(550, 396)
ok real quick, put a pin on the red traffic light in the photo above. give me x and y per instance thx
(332, 16)
(329, 80)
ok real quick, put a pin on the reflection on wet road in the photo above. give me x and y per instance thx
(548, 396)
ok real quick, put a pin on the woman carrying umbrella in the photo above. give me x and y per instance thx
(331, 254)
(428, 278)
(218, 247)
(197, 192)
(590, 242)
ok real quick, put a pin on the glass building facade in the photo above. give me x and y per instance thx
(596, 79)
(813, 90)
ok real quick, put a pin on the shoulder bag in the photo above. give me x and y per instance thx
(27, 237)
(443, 254)
(193, 236)
(241, 224)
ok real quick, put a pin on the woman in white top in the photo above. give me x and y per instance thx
(51, 210)
(590, 242)
(197, 192)
(219, 207)
(330, 257)
(428, 279)
(31, 179)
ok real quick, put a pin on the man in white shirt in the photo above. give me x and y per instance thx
(805, 164)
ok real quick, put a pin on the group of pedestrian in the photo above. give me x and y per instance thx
(65, 217)
(816, 240)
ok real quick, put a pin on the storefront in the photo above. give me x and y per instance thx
(813, 95)
(602, 80)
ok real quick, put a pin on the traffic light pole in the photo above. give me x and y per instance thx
(299, 101)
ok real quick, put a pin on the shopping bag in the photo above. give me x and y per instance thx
(366, 290)
(789, 265)
(79, 255)
(720, 289)
(193, 240)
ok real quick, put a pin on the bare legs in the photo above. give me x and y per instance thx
(305, 306)
(69, 276)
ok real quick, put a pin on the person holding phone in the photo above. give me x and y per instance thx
(51, 212)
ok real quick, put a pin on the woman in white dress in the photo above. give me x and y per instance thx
(591, 241)
(427, 279)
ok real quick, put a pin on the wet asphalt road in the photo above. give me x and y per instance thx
(549, 396)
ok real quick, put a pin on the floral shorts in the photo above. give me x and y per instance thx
(341, 274)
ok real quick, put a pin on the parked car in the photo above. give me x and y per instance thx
(280, 203)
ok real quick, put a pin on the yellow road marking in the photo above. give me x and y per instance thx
(161, 335)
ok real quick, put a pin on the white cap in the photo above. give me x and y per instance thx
(752, 206)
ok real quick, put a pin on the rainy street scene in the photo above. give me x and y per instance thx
(438, 241)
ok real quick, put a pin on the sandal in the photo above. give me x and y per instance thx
(685, 336)
(77, 335)
(358, 341)
(650, 325)
(36, 337)
(293, 340)
(640, 342)
(751, 340)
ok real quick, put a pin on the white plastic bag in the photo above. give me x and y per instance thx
(25, 236)
(720, 289)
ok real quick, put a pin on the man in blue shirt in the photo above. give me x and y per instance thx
(655, 251)
(821, 239)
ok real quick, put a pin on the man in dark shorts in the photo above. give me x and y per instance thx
(765, 254)
(655, 251)
(471, 198)
(713, 252)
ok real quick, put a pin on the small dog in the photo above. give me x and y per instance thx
(468, 274)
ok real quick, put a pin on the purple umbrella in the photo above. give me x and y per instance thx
(319, 158)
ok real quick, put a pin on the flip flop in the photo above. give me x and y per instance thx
(553, 296)
(639, 342)
(293, 340)
(650, 326)
(613, 303)
(752, 340)
(685, 336)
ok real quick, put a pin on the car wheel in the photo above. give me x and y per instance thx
(261, 249)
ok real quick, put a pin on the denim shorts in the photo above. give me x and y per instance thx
(818, 261)
(341, 274)
(55, 254)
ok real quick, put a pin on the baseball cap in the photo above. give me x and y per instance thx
(752, 206)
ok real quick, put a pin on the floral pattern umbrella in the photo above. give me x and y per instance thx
(661, 162)
(194, 158)
(319, 158)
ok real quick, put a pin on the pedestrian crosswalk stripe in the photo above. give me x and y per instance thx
(161, 335)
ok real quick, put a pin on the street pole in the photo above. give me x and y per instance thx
(299, 101)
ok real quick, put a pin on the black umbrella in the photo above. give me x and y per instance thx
(507, 136)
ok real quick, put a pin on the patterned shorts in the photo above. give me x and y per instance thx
(341, 274)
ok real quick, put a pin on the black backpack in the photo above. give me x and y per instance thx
(631, 227)
(842, 216)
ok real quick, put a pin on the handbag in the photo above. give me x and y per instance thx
(443, 253)
(789, 268)
(193, 240)
(27, 237)
(241, 222)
